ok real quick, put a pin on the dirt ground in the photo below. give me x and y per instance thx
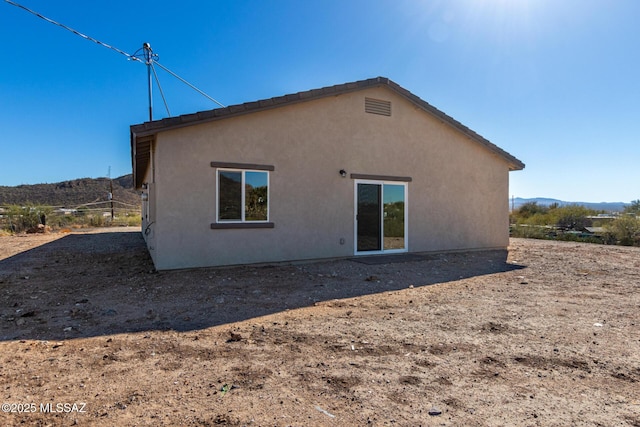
(547, 334)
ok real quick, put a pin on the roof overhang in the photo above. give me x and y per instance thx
(141, 147)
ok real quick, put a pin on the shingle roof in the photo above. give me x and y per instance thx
(141, 133)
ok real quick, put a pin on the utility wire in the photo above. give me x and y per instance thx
(188, 84)
(115, 49)
(78, 33)
(155, 75)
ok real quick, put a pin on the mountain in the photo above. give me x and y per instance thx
(515, 203)
(74, 193)
(71, 194)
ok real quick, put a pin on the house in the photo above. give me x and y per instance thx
(360, 168)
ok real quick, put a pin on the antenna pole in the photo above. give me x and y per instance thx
(148, 56)
(111, 194)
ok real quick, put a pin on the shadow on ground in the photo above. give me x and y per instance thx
(86, 285)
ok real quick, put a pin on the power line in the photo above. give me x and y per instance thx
(188, 84)
(155, 75)
(151, 58)
(78, 33)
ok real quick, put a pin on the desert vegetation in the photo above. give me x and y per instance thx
(41, 218)
(577, 223)
(79, 203)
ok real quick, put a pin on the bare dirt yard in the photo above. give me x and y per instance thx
(547, 334)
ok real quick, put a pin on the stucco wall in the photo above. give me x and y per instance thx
(457, 199)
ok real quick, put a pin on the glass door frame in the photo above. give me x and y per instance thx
(382, 250)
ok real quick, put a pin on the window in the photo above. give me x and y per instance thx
(243, 196)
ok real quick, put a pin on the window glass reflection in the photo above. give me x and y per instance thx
(393, 196)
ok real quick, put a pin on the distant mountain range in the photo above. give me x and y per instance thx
(77, 192)
(515, 203)
(71, 194)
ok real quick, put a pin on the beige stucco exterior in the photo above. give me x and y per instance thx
(457, 197)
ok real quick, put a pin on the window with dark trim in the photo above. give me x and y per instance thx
(243, 195)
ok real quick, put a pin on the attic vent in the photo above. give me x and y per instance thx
(377, 106)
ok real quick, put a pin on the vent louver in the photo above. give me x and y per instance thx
(377, 106)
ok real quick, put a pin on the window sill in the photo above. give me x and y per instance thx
(240, 225)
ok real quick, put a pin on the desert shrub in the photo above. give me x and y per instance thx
(18, 219)
(129, 219)
(531, 231)
(22, 218)
(60, 220)
(572, 217)
(528, 210)
(96, 221)
(579, 237)
(624, 230)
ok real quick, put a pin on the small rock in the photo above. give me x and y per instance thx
(435, 411)
(325, 412)
(233, 337)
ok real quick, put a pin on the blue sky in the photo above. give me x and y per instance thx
(555, 83)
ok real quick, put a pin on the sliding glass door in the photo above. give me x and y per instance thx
(369, 232)
(381, 217)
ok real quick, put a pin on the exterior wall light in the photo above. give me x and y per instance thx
(343, 173)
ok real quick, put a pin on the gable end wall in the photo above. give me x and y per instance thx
(457, 199)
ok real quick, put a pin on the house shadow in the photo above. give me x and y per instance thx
(85, 285)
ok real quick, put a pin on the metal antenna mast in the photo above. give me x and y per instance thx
(147, 54)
